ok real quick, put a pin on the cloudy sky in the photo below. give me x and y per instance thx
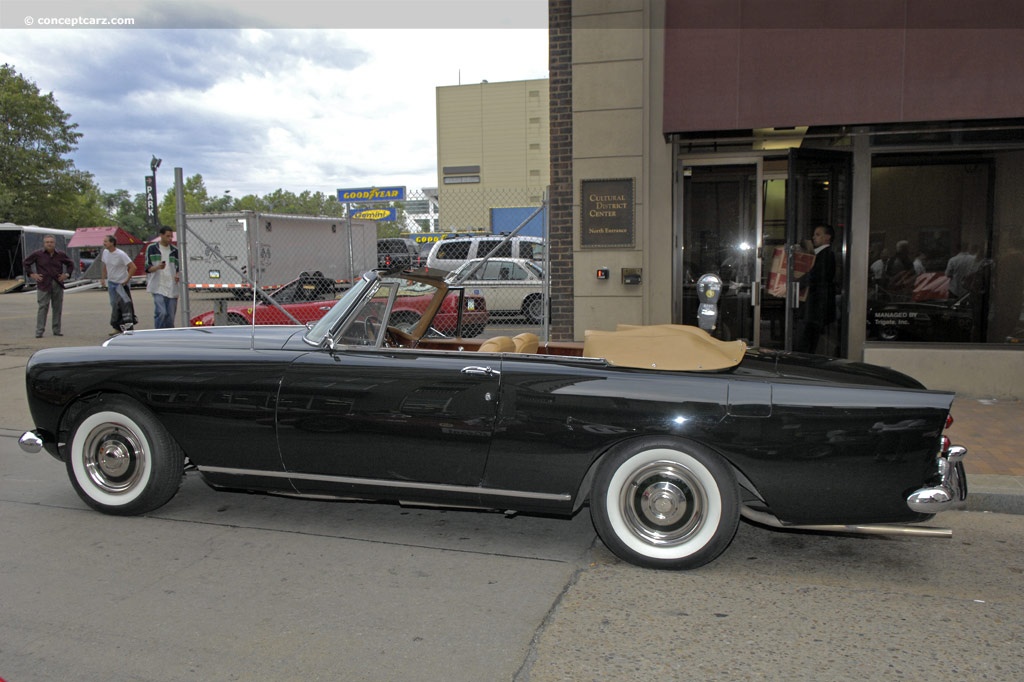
(255, 96)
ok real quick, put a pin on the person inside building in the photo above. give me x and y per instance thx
(52, 269)
(820, 283)
(162, 277)
(961, 269)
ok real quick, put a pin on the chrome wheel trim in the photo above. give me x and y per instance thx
(111, 458)
(664, 504)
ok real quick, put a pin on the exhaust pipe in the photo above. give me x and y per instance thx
(766, 519)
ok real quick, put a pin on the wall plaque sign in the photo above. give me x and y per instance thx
(607, 213)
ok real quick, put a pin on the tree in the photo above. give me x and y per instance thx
(197, 200)
(128, 212)
(38, 183)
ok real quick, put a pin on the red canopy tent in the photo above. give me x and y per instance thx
(92, 238)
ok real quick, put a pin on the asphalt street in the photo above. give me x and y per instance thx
(226, 586)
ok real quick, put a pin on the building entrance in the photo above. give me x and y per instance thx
(753, 227)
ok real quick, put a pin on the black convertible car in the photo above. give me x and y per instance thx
(670, 435)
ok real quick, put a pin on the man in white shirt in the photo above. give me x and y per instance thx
(162, 277)
(118, 269)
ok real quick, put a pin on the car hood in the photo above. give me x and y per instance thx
(261, 337)
(806, 367)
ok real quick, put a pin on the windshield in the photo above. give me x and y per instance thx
(366, 285)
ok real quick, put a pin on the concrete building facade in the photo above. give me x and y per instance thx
(492, 150)
(728, 131)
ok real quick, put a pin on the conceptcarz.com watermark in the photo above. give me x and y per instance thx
(71, 22)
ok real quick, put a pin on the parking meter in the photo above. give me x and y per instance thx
(709, 290)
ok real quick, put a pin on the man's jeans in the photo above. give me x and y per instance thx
(55, 298)
(116, 290)
(164, 308)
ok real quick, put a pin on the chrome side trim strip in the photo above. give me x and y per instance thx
(383, 483)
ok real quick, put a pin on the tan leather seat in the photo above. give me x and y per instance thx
(498, 344)
(526, 342)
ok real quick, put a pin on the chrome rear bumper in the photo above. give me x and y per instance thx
(951, 489)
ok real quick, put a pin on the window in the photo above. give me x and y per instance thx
(530, 249)
(946, 261)
(454, 250)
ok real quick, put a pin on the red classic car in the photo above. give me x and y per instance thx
(307, 299)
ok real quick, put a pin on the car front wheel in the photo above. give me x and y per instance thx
(665, 503)
(121, 460)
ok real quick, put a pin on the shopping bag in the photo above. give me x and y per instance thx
(123, 314)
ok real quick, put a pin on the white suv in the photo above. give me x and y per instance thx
(448, 254)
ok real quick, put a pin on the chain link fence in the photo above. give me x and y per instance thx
(261, 268)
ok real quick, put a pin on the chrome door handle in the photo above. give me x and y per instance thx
(482, 371)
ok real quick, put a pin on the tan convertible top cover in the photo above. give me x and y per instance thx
(663, 346)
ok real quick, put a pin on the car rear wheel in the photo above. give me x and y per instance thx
(533, 309)
(665, 503)
(235, 318)
(121, 460)
(889, 333)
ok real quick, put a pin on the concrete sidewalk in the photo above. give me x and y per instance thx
(991, 430)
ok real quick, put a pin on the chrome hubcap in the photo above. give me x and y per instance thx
(114, 458)
(663, 502)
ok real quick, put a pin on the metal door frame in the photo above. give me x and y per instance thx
(683, 161)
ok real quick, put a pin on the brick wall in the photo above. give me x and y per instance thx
(560, 196)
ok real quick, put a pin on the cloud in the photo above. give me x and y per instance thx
(255, 110)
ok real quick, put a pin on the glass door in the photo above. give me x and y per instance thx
(720, 232)
(818, 197)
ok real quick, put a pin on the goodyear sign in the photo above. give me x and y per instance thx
(431, 238)
(371, 194)
(380, 214)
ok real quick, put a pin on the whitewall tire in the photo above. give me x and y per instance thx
(665, 503)
(121, 460)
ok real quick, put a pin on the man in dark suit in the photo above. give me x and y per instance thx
(820, 308)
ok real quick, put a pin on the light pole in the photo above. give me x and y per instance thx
(151, 206)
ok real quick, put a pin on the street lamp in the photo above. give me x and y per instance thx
(151, 192)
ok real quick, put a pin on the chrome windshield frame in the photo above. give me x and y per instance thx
(330, 324)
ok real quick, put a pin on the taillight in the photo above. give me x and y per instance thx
(949, 420)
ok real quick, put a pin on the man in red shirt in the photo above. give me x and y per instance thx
(49, 276)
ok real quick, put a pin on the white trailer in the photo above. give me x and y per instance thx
(237, 250)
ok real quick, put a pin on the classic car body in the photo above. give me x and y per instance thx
(669, 434)
(308, 298)
(512, 286)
